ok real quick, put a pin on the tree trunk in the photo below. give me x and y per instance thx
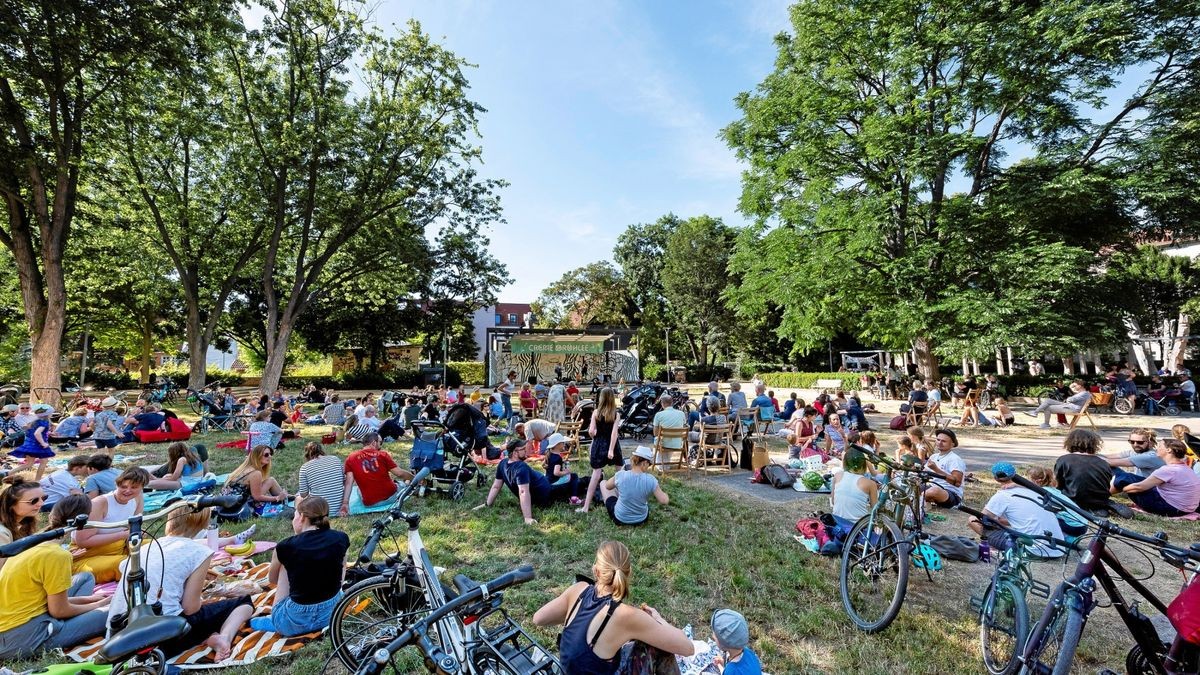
(147, 344)
(197, 342)
(1137, 347)
(999, 363)
(1179, 347)
(45, 375)
(1068, 365)
(1009, 361)
(927, 361)
(276, 358)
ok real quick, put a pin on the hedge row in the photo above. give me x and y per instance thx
(850, 381)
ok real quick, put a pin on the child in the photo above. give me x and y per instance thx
(101, 476)
(561, 479)
(904, 446)
(1070, 522)
(37, 440)
(1003, 413)
(794, 447)
(64, 482)
(732, 635)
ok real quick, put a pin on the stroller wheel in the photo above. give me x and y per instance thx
(457, 491)
(479, 479)
(1172, 410)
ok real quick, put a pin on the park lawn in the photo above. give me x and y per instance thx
(709, 548)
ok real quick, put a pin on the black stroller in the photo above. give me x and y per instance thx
(431, 441)
(638, 408)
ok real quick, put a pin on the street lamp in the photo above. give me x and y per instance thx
(668, 363)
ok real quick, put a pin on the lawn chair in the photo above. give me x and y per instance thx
(1083, 412)
(570, 429)
(747, 421)
(662, 461)
(915, 417)
(717, 440)
(766, 417)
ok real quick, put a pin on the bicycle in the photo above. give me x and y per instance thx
(1051, 645)
(1003, 611)
(380, 614)
(135, 647)
(162, 394)
(885, 541)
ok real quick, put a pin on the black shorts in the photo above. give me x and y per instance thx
(598, 455)
(610, 505)
(952, 500)
(205, 622)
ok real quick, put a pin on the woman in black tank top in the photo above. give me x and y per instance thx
(606, 448)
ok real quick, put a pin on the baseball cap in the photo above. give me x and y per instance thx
(1003, 470)
(730, 629)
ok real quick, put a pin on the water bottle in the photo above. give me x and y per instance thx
(212, 531)
(985, 552)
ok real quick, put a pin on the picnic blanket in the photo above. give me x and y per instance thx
(248, 647)
(220, 557)
(1186, 516)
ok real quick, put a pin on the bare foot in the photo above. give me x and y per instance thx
(582, 509)
(220, 646)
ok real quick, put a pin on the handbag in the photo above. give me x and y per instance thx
(239, 513)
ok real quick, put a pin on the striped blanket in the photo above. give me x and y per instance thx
(248, 647)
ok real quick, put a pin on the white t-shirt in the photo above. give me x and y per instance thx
(1023, 510)
(58, 485)
(949, 462)
(1188, 387)
(185, 556)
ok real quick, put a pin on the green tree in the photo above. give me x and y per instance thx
(337, 168)
(64, 65)
(877, 112)
(594, 294)
(1155, 290)
(640, 251)
(694, 279)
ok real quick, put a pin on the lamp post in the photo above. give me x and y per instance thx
(668, 363)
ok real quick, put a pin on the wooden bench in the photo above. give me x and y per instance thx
(830, 386)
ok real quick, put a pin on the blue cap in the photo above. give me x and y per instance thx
(1003, 470)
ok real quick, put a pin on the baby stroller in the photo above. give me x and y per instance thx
(582, 411)
(428, 460)
(214, 417)
(1163, 401)
(637, 411)
(470, 427)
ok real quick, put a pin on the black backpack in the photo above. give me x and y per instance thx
(746, 457)
(778, 476)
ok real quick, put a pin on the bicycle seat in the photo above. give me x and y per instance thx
(144, 632)
(463, 583)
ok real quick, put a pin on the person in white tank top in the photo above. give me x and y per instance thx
(103, 550)
(853, 493)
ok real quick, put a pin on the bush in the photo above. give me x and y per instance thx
(707, 373)
(227, 378)
(466, 372)
(102, 379)
(850, 381)
(654, 372)
(748, 369)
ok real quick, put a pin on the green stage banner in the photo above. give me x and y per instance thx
(549, 344)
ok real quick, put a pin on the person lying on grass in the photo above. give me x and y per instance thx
(598, 620)
(44, 606)
(627, 494)
(179, 586)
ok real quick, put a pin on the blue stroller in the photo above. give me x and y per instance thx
(428, 460)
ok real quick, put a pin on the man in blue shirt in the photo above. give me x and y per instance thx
(530, 486)
(761, 400)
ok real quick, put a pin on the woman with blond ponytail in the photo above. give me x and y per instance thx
(598, 621)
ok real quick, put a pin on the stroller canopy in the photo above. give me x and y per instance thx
(469, 425)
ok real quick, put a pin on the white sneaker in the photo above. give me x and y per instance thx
(1043, 425)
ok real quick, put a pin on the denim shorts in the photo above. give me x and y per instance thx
(290, 618)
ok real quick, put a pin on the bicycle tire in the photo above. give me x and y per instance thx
(1121, 405)
(1070, 642)
(401, 612)
(1046, 647)
(994, 630)
(874, 560)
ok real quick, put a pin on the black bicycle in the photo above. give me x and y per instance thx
(1051, 645)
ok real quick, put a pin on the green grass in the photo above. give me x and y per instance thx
(710, 548)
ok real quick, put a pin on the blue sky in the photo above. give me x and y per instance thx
(601, 114)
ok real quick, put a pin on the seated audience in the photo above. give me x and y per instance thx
(1141, 458)
(263, 432)
(530, 487)
(732, 635)
(45, 606)
(1019, 509)
(604, 604)
(103, 550)
(1080, 396)
(854, 494)
(627, 494)
(835, 434)
(100, 477)
(945, 491)
(63, 482)
(20, 504)
(267, 496)
(1082, 474)
(1072, 524)
(563, 482)
(179, 586)
(308, 569)
(149, 419)
(672, 418)
(74, 428)
(369, 478)
(184, 464)
(1171, 490)
(321, 475)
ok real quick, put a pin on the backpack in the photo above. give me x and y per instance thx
(239, 513)
(778, 477)
(898, 423)
(954, 547)
(746, 457)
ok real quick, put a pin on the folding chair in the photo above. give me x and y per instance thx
(747, 419)
(766, 416)
(570, 429)
(915, 417)
(1083, 412)
(715, 439)
(662, 455)
(932, 415)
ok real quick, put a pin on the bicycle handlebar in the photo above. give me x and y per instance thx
(1105, 525)
(393, 514)
(375, 664)
(907, 467)
(81, 521)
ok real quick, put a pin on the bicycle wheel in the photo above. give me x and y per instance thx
(370, 614)
(874, 573)
(1047, 650)
(1122, 405)
(1003, 627)
(1072, 630)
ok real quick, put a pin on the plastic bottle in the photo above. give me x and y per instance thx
(212, 534)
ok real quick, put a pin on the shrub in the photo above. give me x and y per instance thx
(850, 381)
(228, 378)
(102, 379)
(656, 372)
(707, 373)
(748, 369)
(466, 372)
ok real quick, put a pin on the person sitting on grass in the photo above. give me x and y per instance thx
(627, 494)
(59, 484)
(179, 586)
(1004, 414)
(101, 477)
(1171, 490)
(308, 569)
(1084, 476)
(562, 480)
(1019, 509)
(36, 447)
(20, 504)
(529, 486)
(835, 434)
(263, 432)
(732, 635)
(368, 482)
(72, 429)
(184, 463)
(598, 620)
(150, 418)
(854, 494)
(946, 490)
(46, 607)
(103, 550)
(1140, 459)
(321, 475)
(1071, 523)
(267, 496)
(922, 447)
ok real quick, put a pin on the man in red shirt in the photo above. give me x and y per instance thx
(370, 470)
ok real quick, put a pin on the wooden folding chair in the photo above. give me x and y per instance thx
(916, 414)
(570, 429)
(662, 461)
(715, 439)
(932, 415)
(1083, 412)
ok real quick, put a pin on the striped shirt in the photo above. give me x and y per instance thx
(323, 477)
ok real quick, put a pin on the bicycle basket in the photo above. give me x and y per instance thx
(427, 453)
(1184, 613)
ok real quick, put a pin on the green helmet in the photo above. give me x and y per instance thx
(812, 480)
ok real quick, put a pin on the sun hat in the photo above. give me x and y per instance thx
(109, 402)
(1003, 470)
(11, 407)
(554, 439)
(730, 629)
(42, 409)
(644, 452)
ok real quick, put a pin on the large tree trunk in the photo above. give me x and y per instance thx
(1180, 344)
(276, 358)
(927, 361)
(147, 345)
(197, 342)
(45, 375)
(1137, 347)
(1068, 365)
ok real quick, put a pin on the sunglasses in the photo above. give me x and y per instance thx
(35, 501)
(266, 454)
(1133, 442)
